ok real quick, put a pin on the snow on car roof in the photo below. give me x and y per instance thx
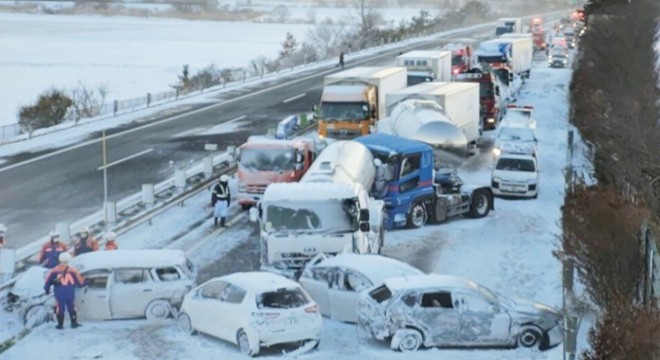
(310, 191)
(128, 258)
(259, 281)
(376, 268)
(429, 281)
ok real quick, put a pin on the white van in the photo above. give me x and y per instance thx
(516, 133)
(123, 284)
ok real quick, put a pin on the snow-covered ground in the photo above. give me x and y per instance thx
(509, 251)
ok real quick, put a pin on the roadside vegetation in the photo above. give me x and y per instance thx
(614, 104)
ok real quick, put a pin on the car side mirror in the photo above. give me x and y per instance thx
(364, 227)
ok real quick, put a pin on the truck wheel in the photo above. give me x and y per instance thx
(418, 216)
(480, 204)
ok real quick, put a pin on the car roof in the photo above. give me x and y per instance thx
(98, 260)
(429, 281)
(258, 281)
(376, 268)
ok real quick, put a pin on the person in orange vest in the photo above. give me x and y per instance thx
(111, 241)
(65, 279)
(48, 256)
(86, 244)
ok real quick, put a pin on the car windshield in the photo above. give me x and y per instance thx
(515, 164)
(518, 134)
(270, 159)
(344, 111)
(309, 216)
(283, 299)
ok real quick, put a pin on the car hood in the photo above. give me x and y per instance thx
(524, 309)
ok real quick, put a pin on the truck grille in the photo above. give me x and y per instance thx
(255, 189)
(343, 134)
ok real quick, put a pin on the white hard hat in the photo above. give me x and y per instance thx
(64, 257)
(84, 229)
(110, 235)
(53, 234)
(224, 178)
(3, 228)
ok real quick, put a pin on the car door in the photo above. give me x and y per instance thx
(437, 314)
(229, 305)
(344, 296)
(409, 177)
(208, 311)
(482, 323)
(317, 285)
(93, 299)
(131, 291)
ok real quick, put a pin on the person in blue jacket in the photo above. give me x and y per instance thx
(65, 279)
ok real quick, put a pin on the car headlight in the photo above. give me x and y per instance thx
(496, 179)
(497, 152)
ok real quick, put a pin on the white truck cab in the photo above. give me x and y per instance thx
(515, 175)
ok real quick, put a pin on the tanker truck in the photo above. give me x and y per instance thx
(328, 211)
(262, 161)
(454, 107)
(426, 66)
(354, 100)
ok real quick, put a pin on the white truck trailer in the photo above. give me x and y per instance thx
(328, 211)
(458, 100)
(522, 51)
(426, 66)
(354, 100)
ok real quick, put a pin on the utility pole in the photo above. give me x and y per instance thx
(105, 180)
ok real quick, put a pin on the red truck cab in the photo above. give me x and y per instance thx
(488, 94)
(461, 57)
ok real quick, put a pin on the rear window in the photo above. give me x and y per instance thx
(381, 294)
(282, 299)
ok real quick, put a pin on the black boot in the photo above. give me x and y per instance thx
(74, 321)
(60, 322)
(222, 222)
(215, 221)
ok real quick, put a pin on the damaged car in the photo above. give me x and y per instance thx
(442, 310)
(335, 282)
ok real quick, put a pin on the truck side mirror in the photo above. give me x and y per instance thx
(364, 215)
(364, 227)
(315, 108)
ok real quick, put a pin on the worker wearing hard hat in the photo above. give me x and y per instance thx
(220, 200)
(111, 241)
(65, 279)
(48, 256)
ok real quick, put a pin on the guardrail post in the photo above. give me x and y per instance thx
(148, 194)
(148, 99)
(115, 107)
(231, 151)
(111, 212)
(208, 166)
(180, 179)
(7, 263)
(64, 229)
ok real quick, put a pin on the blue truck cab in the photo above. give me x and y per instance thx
(405, 182)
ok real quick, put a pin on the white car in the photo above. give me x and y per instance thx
(252, 310)
(336, 282)
(515, 175)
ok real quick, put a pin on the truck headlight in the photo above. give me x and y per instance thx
(497, 152)
(496, 179)
(490, 120)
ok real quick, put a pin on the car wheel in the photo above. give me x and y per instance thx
(184, 324)
(158, 310)
(479, 204)
(530, 338)
(407, 340)
(418, 216)
(244, 344)
(316, 344)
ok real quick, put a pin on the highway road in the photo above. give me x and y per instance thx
(37, 190)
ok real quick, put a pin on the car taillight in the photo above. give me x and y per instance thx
(312, 309)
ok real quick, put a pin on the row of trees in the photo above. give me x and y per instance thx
(614, 104)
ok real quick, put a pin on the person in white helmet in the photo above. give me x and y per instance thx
(48, 256)
(3, 236)
(220, 200)
(86, 242)
(111, 241)
(65, 279)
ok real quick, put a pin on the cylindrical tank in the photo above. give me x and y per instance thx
(343, 161)
(426, 121)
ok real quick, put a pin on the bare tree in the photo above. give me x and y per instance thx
(282, 13)
(87, 102)
(368, 14)
(326, 37)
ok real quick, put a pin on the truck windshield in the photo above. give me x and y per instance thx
(270, 159)
(310, 216)
(509, 164)
(457, 60)
(418, 79)
(344, 111)
(485, 89)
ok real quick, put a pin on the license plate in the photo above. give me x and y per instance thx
(330, 127)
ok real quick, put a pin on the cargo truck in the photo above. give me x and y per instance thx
(262, 161)
(354, 100)
(490, 101)
(458, 105)
(522, 52)
(509, 25)
(426, 66)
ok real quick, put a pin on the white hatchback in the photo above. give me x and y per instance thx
(252, 310)
(515, 175)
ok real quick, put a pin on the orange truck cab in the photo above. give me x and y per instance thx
(262, 161)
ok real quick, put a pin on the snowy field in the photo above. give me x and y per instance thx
(509, 251)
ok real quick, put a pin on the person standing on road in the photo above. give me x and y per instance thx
(65, 279)
(48, 256)
(111, 241)
(3, 236)
(341, 59)
(86, 242)
(220, 200)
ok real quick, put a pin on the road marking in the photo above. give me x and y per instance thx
(294, 98)
(238, 118)
(125, 159)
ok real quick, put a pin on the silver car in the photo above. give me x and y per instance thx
(441, 310)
